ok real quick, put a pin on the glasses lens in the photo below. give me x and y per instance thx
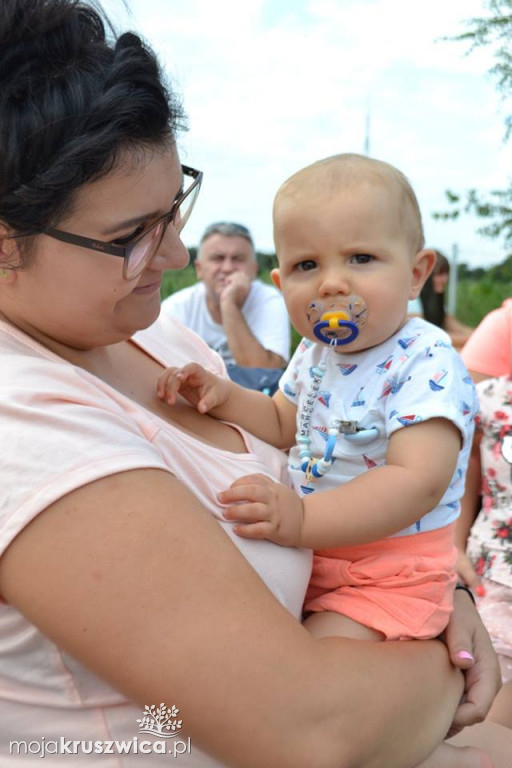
(185, 209)
(143, 251)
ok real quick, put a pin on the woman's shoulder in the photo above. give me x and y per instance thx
(29, 369)
(62, 428)
(488, 351)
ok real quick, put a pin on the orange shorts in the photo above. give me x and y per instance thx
(401, 586)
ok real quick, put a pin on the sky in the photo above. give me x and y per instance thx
(270, 86)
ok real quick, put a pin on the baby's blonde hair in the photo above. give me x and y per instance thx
(345, 170)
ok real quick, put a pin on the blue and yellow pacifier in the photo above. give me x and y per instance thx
(338, 321)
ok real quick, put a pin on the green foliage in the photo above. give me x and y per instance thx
(176, 279)
(494, 30)
(496, 207)
(475, 299)
(267, 262)
(481, 290)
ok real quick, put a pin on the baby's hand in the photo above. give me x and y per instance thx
(198, 386)
(264, 509)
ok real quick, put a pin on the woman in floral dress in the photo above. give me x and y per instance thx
(485, 540)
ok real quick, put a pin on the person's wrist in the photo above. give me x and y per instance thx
(223, 392)
(467, 590)
(230, 302)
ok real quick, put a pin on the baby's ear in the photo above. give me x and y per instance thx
(422, 265)
(275, 276)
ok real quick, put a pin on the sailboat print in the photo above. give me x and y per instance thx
(324, 397)
(407, 341)
(385, 366)
(392, 386)
(408, 420)
(435, 381)
(346, 368)
(358, 400)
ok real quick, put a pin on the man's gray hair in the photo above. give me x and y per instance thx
(228, 229)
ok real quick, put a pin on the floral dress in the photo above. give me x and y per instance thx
(490, 540)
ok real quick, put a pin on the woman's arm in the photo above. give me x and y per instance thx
(131, 576)
(487, 351)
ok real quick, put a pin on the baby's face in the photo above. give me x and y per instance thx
(351, 244)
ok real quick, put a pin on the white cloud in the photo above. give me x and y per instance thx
(271, 85)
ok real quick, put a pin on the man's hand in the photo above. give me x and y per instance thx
(264, 509)
(199, 387)
(235, 291)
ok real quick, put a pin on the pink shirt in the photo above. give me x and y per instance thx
(489, 348)
(62, 428)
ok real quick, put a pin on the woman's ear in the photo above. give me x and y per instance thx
(422, 266)
(9, 255)
(275, 276)
(7, 275)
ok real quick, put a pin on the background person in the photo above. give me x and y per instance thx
(484, 529)
(238, 316)
(489, 350)
(121, 584)
(432, 300)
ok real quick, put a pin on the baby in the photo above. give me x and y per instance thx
(376, 409)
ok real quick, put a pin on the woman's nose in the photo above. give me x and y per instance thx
(171, 253)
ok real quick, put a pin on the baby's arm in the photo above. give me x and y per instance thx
(421, 461)
(272, 419)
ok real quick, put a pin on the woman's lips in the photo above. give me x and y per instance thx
(149, 288)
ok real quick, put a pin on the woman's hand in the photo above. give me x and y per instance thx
(470, 649)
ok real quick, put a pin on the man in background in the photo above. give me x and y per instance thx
(239, 316)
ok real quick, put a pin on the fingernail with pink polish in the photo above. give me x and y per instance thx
(465, 655)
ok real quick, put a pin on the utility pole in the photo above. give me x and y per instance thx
(367, 134)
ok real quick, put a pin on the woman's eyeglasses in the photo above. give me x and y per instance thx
(138, 250)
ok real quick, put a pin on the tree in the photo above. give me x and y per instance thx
(495, 206)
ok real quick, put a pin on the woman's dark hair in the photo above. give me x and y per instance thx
(71, 100)
(432, 302)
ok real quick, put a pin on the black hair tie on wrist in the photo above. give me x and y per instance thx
(466, 589)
